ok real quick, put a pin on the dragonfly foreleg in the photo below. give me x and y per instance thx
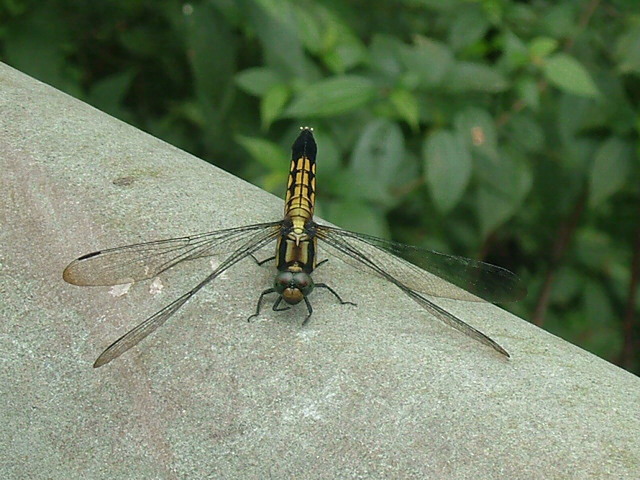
(276, 303)
(259, 306)
(309, 309)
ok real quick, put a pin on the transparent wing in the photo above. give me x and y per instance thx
(351, 248)
(455, 322)
(141, 261)
(139, 333)
(251, 244)
(428, 272)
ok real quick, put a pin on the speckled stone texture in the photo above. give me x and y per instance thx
(381, 390)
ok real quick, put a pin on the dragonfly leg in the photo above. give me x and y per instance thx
(266, 292)
(324, 285)
(309, 309)
(277, 302)
(323, 261)
(262, 262)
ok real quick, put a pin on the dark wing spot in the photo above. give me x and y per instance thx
(89, 255)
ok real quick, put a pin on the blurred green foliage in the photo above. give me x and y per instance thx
(497, 129)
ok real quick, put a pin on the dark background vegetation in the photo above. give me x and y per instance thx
(499, 129)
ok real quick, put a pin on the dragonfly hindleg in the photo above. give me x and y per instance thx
(324, 285)
(262, 262)
(276, 306)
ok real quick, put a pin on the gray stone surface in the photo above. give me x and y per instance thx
(381, 390)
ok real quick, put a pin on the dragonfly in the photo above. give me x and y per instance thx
(418, 273)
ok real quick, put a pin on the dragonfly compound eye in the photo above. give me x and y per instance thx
(303, 282)
(283, 281)
(293, 286)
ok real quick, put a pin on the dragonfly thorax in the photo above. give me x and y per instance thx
(293, 286)
(298, 235)
(296, 248)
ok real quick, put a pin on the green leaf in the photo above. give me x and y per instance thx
(610, 170)
(333, 96)
(541, 47)
(571, 113)
(559, 20)
(429, 60)
(272, 104)
(515, 53)
(566, 73)
(525, 133)
(310, 28)
(448, 168)
(519, 14)
(385, 55)
(568, 285)
(330, 167)
(601, 331)
(108, 93)
(504, 183)
(141, 39)
(347, 53)
(627, 51)
(450, 6)
(406, 104)
(212, 53)
(597, 305)
(378, 162)
(469, 26)
(35, 44)
(263, 151)
(595, 249)
(257, 81)
(357, 216)
(276, 26)
(529, 92)
(469, 77)
(476, 127)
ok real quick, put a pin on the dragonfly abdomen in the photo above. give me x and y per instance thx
(301, 185)
(296, 248)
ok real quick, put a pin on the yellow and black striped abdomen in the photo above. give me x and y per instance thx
(301, 186)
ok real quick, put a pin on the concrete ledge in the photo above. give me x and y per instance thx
(381, 390)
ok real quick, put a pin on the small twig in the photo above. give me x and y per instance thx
(565, 233)
(584, 20)
(487, 246)
(630, 342)
(408, 187)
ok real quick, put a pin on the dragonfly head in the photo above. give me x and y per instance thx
(293, 286)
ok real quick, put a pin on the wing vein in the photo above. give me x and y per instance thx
(144, 329)
(344, 246)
